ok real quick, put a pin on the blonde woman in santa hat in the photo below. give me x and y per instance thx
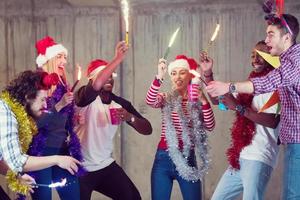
(182, 151)
(97, 133)
(56, 134)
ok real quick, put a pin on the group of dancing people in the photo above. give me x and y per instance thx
(47, 132)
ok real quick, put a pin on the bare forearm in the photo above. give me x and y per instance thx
(142, 126)
(34, 163)
(244, 87)
(266, 119)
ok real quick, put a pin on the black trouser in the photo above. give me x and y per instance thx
(110, 181)
(3, 195)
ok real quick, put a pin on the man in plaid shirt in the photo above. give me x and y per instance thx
(29, 90)
(281, 39)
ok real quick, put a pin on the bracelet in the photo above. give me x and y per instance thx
(241, 109)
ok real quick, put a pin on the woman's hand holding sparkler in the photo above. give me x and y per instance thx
(65, 100)
(161, 69)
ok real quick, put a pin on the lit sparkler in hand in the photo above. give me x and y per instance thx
(78, 77)
(213, 37)
(62, 183)
(125, 10)
(172, 39)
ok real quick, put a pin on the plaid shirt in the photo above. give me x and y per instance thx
(286, 79)
(10, 150)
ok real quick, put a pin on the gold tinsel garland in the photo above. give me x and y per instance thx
(26, 130)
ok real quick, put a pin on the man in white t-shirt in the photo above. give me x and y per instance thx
(96, 135)
(254, 150)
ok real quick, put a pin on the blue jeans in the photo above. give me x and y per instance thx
(291, 172)
(251, 179)
(70, 191)
(162, 176)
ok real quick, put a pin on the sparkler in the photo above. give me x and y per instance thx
(78, 78)
(125, 10)
(213, 37)
(62, 183)
(172, 39)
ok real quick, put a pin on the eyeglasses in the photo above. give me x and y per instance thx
(274, 19)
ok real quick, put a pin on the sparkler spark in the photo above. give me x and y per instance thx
(78, 77)
(125, 10)
(213, 37)
(173, 37)
(58, 184)
(171, 41)
(62, 183)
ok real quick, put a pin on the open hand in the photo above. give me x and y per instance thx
(69, 163)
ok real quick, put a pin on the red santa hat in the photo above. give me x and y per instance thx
(47, 48)
(183, 62)
(95, 67)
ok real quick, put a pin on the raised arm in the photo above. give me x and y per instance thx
(102, 77)
(153, 98)
(206, 65)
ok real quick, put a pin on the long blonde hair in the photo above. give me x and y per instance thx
(51, 67)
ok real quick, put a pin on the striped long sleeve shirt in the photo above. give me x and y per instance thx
(156, 100)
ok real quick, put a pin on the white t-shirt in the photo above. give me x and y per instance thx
(96, 134)
(264, 146)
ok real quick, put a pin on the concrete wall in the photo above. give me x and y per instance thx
(92, 32)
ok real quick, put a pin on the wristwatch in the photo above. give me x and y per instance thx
(241, 109)
(232, 88)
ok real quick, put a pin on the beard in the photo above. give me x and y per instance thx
(29, 111)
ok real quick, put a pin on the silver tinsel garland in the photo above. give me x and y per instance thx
(194, 138)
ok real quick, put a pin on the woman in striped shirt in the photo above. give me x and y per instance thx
(183, 136)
